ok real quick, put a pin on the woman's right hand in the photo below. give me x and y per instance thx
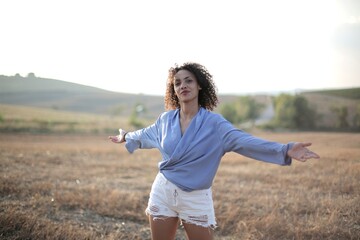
(119, 138)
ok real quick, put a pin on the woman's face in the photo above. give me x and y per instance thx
(186, 86)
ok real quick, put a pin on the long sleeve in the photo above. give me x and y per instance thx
(145, 138)
(253, 147)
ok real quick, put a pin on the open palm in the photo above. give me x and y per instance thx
(300, 152)
(119, 138)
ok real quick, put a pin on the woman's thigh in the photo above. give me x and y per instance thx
(194, 232)
(163, 227)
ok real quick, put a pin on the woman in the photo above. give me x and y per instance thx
(192, 141)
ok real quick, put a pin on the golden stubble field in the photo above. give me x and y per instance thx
(84, 187)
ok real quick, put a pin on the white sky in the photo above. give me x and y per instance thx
(128, 46)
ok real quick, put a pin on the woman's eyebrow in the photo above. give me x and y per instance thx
(178, 79)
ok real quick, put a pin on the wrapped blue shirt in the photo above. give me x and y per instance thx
(191, 160)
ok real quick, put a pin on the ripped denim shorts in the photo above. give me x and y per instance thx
(168, 200)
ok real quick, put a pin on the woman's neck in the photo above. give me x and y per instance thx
(188, 111)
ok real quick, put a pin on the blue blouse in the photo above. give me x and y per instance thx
(190, 160)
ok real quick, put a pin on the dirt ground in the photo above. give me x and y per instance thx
(84, 187)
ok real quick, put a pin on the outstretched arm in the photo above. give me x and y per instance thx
(119, 138)
(301, 153)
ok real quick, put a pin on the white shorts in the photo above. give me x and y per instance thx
(168, 200)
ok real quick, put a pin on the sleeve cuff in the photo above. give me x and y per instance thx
(130, 144)
(287, 159)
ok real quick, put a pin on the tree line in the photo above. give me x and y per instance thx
(292, 112)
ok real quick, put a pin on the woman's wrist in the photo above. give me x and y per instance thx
(123, 139)
(122, 135)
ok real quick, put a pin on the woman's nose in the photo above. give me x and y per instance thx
(183, 85)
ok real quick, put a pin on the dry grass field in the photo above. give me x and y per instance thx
(84, 187)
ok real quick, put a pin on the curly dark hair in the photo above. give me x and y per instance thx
(207, 95)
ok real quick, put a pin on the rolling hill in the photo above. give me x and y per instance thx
(60, 96)
(66, 96)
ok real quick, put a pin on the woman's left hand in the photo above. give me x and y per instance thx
(119, 138)
(300, 152)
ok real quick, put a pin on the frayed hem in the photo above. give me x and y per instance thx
(204, 224)
(156, 217)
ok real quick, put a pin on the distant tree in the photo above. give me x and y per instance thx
(304, 117)
(134, 117)
(293, 112)
(229, 112)
(356, 119)
(18, 75)
(31, 75)
(245, 108)
(342, 114)
(249, 109)
(284, 111)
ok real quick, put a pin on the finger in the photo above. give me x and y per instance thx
(114, 139)
(307, 144)
(314, 155)
(311, 155)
